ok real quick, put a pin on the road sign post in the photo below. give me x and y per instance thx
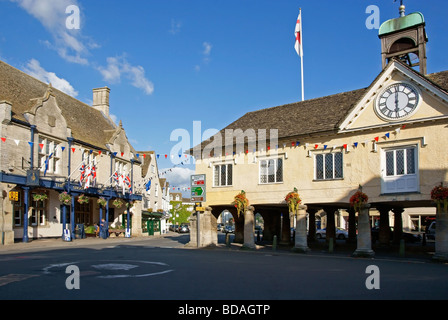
(198, 191)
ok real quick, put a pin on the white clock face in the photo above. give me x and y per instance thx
(398, 101)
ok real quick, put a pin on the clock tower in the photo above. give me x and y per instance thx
(404, 38)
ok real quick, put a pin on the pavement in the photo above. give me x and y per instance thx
(412, 251)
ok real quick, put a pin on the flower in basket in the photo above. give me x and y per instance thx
(439, 195)
(241, 202)
(40, 197)
(358, 199)
(83, 199)
(293, 200)
(102, 201)
(65, 198)
(117, 203)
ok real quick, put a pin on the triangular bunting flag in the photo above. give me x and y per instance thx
(73, 150)
(355, 144)
(17, 142)
(387, 135)
(3, 139)
(377, 138)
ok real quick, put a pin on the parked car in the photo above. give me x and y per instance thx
(407, 236)
(184, 228)
(340, 233)
(220, 227)
(174, 227)
(229, 229)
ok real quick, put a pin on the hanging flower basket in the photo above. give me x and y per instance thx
(439, 195)
(82, 199)
(65, 198)
(40, 197)
(130, 204)
(293, 200)
(102, 202)
(241, 202)
(117, 203)
(358, 200)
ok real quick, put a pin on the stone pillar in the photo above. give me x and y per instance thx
(331, 226)
(249, 241)
(193, 231)
(441, 244)
(312, 225)
(285, 238)
(269, 230)
(136, 211)
(239, 228)
(398, 225)
(208, 229)
(351, 225)
(384, 230)
(364, 240)
(300, 243)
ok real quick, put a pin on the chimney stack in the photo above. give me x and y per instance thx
(101, 100)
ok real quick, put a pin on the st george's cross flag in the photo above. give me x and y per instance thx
(298, 33)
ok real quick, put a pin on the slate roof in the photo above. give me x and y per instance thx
(315, 116)
(87, 124)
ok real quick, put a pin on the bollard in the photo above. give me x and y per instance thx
(274, 243)
(228, 240)
(330, 245)
(258, 235)
(401, 248)
(424, 240)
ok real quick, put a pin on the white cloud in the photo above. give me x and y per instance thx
(178, 177)
(68, 43)
(118, 66)
(34, 69)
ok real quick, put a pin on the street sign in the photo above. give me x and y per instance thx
(198, 188)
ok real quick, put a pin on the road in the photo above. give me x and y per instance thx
(163, 269)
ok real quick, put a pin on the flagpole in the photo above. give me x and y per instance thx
(301, 56)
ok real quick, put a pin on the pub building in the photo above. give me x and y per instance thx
(59, 157)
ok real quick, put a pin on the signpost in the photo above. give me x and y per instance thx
(197, 187)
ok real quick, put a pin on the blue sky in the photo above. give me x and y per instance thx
(172, 62)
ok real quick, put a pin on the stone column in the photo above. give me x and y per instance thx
(331, 226)
(398, 225)
(384, 230)
(364, 240)
(285, 238)
(351, 225)
(239, 228)
(249, 241)
(193, 231)
(207, 229)
(312, 225)
(441, 244)
(300, 243)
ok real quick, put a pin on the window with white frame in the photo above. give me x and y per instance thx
(38, 213)
(222, 175)
(400, 170)
(328, 166)
(271, 170)
(49, 156)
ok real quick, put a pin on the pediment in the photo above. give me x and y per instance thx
(399, 95)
